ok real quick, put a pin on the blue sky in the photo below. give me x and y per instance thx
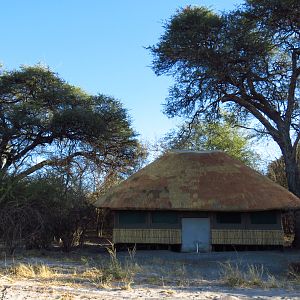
(98, 45)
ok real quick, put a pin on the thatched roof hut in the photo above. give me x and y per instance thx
(198, 185)
(206, 181)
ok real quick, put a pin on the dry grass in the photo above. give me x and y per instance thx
(110, 271)
(105, 274)
(234, 275)
(99, 273)
(294, 273)
(123, 272)
(67, 296)
(164, 272)
(31, 271)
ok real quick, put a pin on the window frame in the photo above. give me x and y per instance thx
(262, 216)
(219, 215)
(164, 223)
(121, 223)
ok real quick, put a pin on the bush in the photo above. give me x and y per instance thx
(233, 275)
(38, 210)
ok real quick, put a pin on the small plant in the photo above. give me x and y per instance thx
(273, 282)
(126, 283)
(231, 274)
(67, 296)
(43, 271)
(22, 270)
(92, 273)
(132, 253)
(31, 271)
(253, 276)
(294, 272)
(114, 262)
(97, 277)
(105, 274)
(181, 274)
(84, 260)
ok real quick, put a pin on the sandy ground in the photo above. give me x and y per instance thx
(201, 277)
(32, 290)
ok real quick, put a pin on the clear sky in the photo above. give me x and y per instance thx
(98, 45)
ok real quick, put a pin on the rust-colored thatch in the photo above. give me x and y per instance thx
(206, 181)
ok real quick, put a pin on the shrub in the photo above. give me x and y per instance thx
(233, 275)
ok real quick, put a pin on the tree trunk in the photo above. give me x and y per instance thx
(293, 178)
(293, 175)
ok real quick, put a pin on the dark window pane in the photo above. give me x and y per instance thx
(229, 218)
(132, 217)
(164, 217)
(263, 217)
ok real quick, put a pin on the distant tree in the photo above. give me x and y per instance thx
(212, 136)
(246, 62)
(46, 122)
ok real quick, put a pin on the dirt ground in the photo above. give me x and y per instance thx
(158, 275)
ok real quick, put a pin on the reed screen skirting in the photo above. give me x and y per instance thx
(147, 236)
(218, 236)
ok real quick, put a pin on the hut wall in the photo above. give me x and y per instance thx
(246, 237)
(168, 231)
(246, 222)
(147, 236)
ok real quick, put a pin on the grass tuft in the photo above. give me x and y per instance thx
(105, 274)
(294, 273)
(233, 275)
(31, 271)
(66, 296)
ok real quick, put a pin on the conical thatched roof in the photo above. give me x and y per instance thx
(207, 181)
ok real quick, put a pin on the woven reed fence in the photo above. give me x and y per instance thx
(246, 237)
(218, 236)
(147, 236)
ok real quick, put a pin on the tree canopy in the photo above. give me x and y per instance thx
(57, 144)
(245, 62)
(212, 136)
(44, 121)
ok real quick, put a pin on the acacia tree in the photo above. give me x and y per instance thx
(245, 61)
(46, 122)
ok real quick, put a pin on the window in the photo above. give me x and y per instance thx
(263, 217)
(161, 217)
(229, 218)
(132, 217)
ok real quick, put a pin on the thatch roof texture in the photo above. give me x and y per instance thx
(202, 181)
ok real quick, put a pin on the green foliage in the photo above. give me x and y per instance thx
(56, 144)
(245, 62)
(282, 16)
(43, 116)
(212, 136)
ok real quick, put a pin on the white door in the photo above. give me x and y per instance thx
(195, 235)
